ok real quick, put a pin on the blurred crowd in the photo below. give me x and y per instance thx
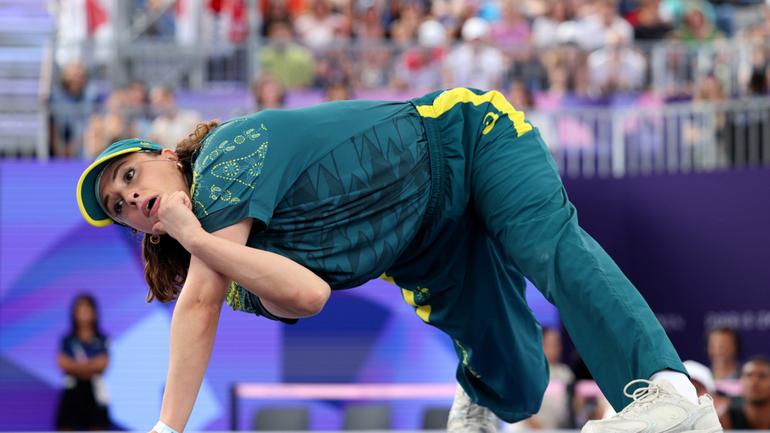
(543, 54)
(741, 391)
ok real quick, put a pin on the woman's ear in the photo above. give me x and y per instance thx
(170, 154)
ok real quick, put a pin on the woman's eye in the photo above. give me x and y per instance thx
(128, 175)
(118, 207)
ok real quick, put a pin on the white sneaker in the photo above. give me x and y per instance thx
(658, 408)
(468, 417)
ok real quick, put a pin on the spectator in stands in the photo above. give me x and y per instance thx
(339, 91)
(318, 27)
(113, 124)
(703, 381)
(331, 66)
(697, 24)
(593, 31)
(71, 103)
(759, 30)
(474, 63)
(138, 108)
(752, 411)
(278, 10)
(760, 71)
(285, 60)
(648, 22)
(171, 123)
(268, 93)
(403, 31)
(553, 28)
(723, 346)
(511, 33)
(420, 68)
(616, 68)
(368, 26)
(83, 358)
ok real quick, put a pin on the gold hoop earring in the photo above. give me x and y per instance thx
(154, 239)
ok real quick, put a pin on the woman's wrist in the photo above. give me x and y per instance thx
(193, 239)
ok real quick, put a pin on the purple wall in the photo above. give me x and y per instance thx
(697, 246)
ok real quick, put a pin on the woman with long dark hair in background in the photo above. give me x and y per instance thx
(83, 358)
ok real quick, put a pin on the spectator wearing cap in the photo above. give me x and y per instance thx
(419, 68)
(701, 377)
(703, 381)
(474, 63)
(752, 411)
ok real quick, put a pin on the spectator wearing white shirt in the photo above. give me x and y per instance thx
(475, 63)
(172, 123)
(616, 67)
(593, 30)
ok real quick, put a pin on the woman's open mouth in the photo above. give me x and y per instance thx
(150, 207)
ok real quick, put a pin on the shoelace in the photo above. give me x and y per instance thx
(641, 396)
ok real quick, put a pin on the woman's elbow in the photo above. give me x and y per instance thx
(314, 299)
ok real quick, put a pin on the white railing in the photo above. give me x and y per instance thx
(675, 138)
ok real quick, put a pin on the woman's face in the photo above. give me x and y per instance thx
(130, 187)
(84, 314)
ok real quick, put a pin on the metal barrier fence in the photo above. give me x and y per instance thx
(678, 138)
(644, 140)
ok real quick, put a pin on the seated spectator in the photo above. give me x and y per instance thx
(474, 63)
(723, 346)
(138, 108)
(752, 411)
(318, 27)
(368, 26)
(71, 103)
(512, 32)
(267, 93)
(593, 31)
(339, 91)
(112, 125)
(403, 31)
(648, 21)
(551, 29)
(83, 358)
(616, 68)
(696, 26)
(419, 68)
(285, 60)
(171, 123)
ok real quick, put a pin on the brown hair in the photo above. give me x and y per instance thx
(166, 262)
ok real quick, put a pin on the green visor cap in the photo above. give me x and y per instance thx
(88, 201)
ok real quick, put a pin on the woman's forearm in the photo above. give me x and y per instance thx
(270, 276)
(193, 328)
